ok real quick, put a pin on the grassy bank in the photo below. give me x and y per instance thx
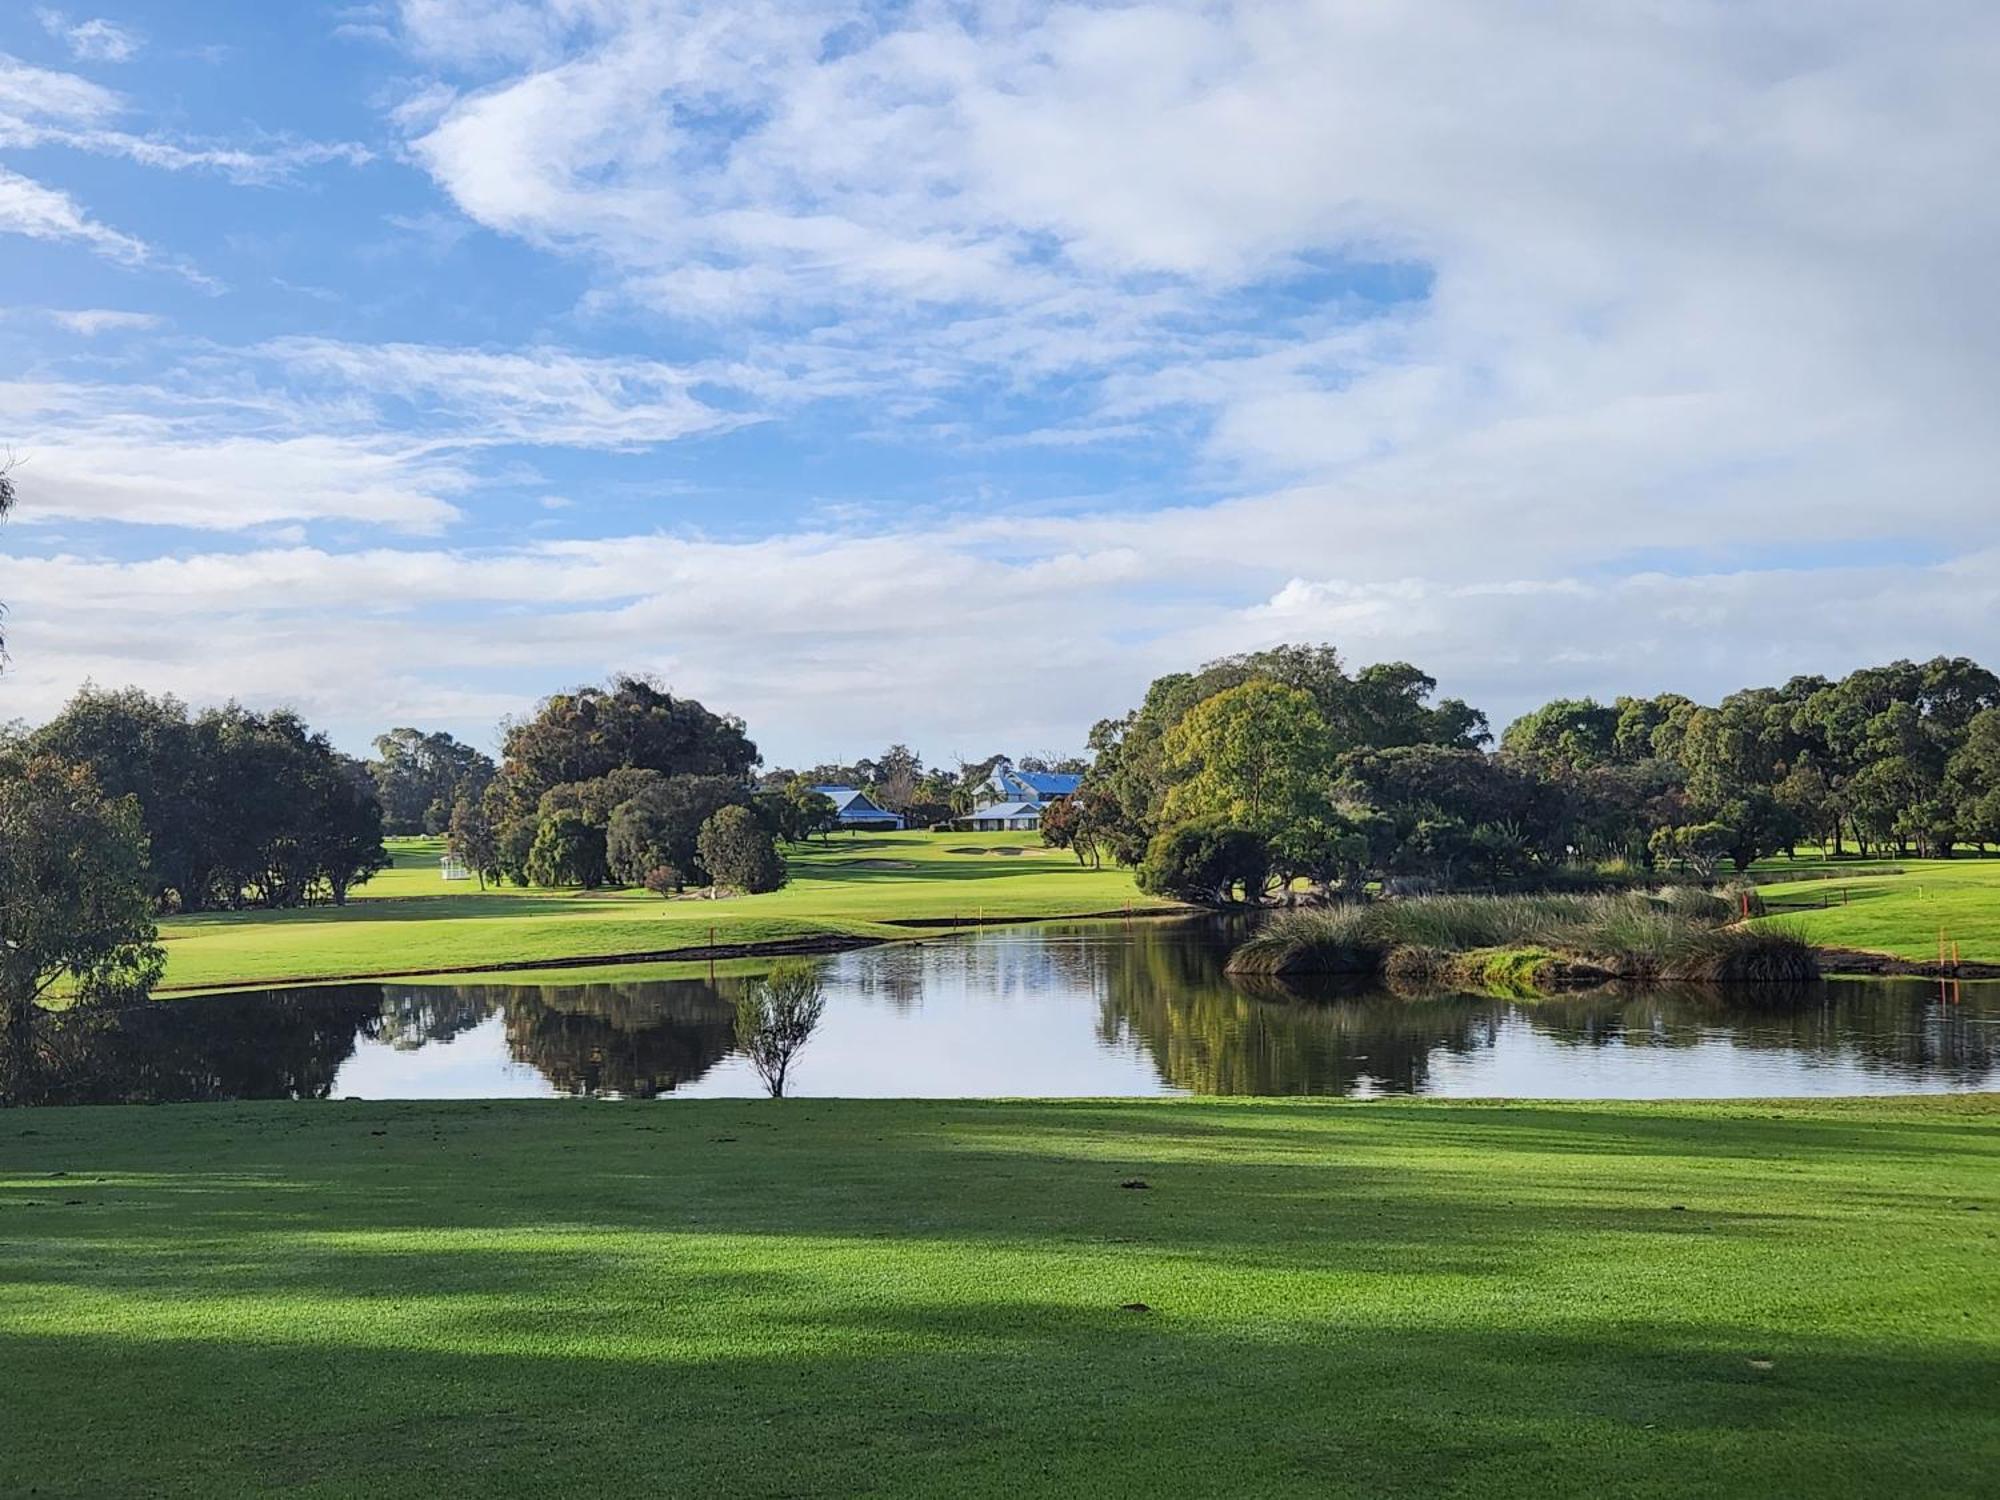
(408, 920)
(829, 1298)
(1524, 941)
(1878, 911)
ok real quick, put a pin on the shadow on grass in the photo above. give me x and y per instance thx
(386, 909)
(812, 1298)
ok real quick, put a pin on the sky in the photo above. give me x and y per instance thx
(945, 372)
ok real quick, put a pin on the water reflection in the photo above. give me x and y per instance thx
(1103, 1009)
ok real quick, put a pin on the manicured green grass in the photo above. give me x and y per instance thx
(1900, 914)
(833, 1298)
(409, 919)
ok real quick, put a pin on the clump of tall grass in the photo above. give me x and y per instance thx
(1680, 933)
(1747, 955)
(1316, 940)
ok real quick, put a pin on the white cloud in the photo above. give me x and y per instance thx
(236, 483)
(91, 321)
(94, 40)
(41, 107)
(1704, 310)
(539, 396)
(40, 212)
(810, 636)
(1693, 269)
(29, 92)
(300, 429)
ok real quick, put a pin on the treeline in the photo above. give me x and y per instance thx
(237, 808)
(629, 784)
(1268, 770)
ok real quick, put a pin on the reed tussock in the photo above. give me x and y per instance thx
(1508, 942)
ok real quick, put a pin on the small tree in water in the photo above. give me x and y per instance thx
(776, 1017)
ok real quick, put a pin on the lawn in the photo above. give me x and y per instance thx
(1874, 909)
(892, 1298)
(409, 919)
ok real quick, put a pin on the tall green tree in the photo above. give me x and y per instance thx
(738, 851)
(567, 851)
(74, 896)
(470, 836)
(633, 724)
(419, 776)
(240, 807)
(1258, 755)
(1567, 736)
(661, 825)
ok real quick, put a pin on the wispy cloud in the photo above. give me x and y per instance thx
(40, 212)
(300, 429)
(43, 107)
(538, 396)
(91, 321)
(94, 40)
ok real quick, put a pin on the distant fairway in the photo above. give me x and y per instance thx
(409, 919)
(1871, 908)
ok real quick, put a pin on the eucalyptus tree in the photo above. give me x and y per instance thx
(74, 902)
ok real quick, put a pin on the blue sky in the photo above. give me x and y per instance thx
(945, 372)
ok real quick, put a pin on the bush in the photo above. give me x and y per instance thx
(567, 851)
(1206, 864)
(665, 880)
(738, 851)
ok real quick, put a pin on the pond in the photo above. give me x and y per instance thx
(1066, 1010)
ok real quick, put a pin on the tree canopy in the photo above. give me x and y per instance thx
(419, 776)
(1348, 776)
(74, 898)
(631, 725)
(240, 808)
(739, 852)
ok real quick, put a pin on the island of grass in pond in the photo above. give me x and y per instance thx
(1531, 941)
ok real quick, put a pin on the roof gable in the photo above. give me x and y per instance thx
(848, 801)
(1050, 783)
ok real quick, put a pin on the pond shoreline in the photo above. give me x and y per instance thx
(1860, 962)
(810, 945)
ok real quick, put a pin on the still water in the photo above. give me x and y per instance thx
(1086, 1009)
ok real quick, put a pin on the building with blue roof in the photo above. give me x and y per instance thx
(1018, 797)
(1032, 786)
(854, 808)
(998, 816)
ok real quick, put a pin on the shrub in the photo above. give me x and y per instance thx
(567, 851)
(738, 851)
(1206, 863)
(665, 880)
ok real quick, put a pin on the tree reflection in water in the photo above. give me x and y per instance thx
(1146, 986)
(1891, 1027)
(265, 1045)
(1211, 1034)
(636, 1040)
